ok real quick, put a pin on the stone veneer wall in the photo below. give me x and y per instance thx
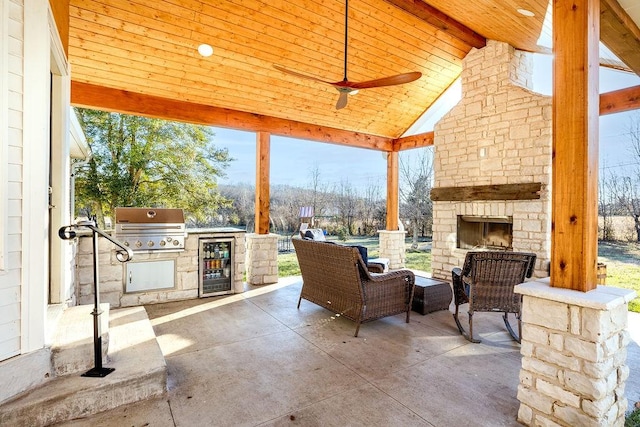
(499, 133)
(262, 258)
(112, 272)
(392, 247)
(573, 356)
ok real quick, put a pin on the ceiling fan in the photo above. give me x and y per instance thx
(345, 86)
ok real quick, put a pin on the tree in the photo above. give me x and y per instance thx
(318, 197)
(139, 161)
(605, 204)
(371, 204)
(345, 203)
(416, 176)
(626, 188)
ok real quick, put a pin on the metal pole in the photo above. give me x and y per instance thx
(123, 254)
(97, 370)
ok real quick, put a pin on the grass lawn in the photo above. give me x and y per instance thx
(623, 267)
(622, 260)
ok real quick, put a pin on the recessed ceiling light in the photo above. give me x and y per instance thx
(526, 12)
(205, 50)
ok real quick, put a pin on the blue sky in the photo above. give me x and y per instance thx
(292, 160)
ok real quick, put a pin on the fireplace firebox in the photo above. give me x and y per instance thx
(485, 232)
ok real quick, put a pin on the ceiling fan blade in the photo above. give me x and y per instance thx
(345, 86)
(297, 74)
(342, 101)
(386, 81)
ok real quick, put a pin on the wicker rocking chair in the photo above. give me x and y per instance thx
(486, 282)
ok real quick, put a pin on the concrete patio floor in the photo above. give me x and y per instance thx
(254, 359)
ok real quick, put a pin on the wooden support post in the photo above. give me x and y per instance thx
(263, 144)
(574, 230)
(393, 211)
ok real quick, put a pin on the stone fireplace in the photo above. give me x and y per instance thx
(493, 163)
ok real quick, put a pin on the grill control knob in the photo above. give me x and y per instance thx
(176, 242)
(150, 243)
(162, 243)
(138, 244)
(125, 243)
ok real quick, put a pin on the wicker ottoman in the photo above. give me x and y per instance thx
(431, 295)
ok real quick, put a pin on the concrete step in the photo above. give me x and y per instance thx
(72, 347)
(140, 373)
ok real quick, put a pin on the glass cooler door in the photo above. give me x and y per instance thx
(216, 267)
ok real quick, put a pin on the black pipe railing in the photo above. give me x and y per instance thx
(124, 254)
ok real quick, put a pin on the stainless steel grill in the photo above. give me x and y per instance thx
(150, 229)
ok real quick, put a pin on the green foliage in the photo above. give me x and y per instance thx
(139, 161)
(633, 418)
(342, 233)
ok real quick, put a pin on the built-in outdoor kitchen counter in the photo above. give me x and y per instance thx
(158, 276)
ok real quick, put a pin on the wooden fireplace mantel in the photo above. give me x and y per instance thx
(525, 191)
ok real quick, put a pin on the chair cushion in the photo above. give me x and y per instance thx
(363, 253)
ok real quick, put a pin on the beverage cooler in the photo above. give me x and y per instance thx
(215, 259)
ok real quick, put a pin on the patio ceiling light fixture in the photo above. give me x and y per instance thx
(526, 12)
(205, 50)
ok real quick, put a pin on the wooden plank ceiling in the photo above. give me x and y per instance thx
(150, 48)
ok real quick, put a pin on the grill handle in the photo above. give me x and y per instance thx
(140, 227)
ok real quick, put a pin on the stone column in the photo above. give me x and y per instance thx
(262, 258)
(574, 350)
(392, 247)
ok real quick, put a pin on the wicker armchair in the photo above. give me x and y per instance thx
(336, 278)
(486, 282)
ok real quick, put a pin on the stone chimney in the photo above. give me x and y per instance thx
(499, 133)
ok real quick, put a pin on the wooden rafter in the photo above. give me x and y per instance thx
(620, 33)
(443, 22)
(620, 100)
(414, 141)
(102, 98)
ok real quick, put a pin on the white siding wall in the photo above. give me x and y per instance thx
(10, 276)
(27, 78)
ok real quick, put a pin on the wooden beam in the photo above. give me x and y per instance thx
(524, 191)
(263, 144)
(620, 100)
(60, 9)
(443, 22)
(393, 200)
(574, 209)
(413, 141)
(620, 33)
(108, 99)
